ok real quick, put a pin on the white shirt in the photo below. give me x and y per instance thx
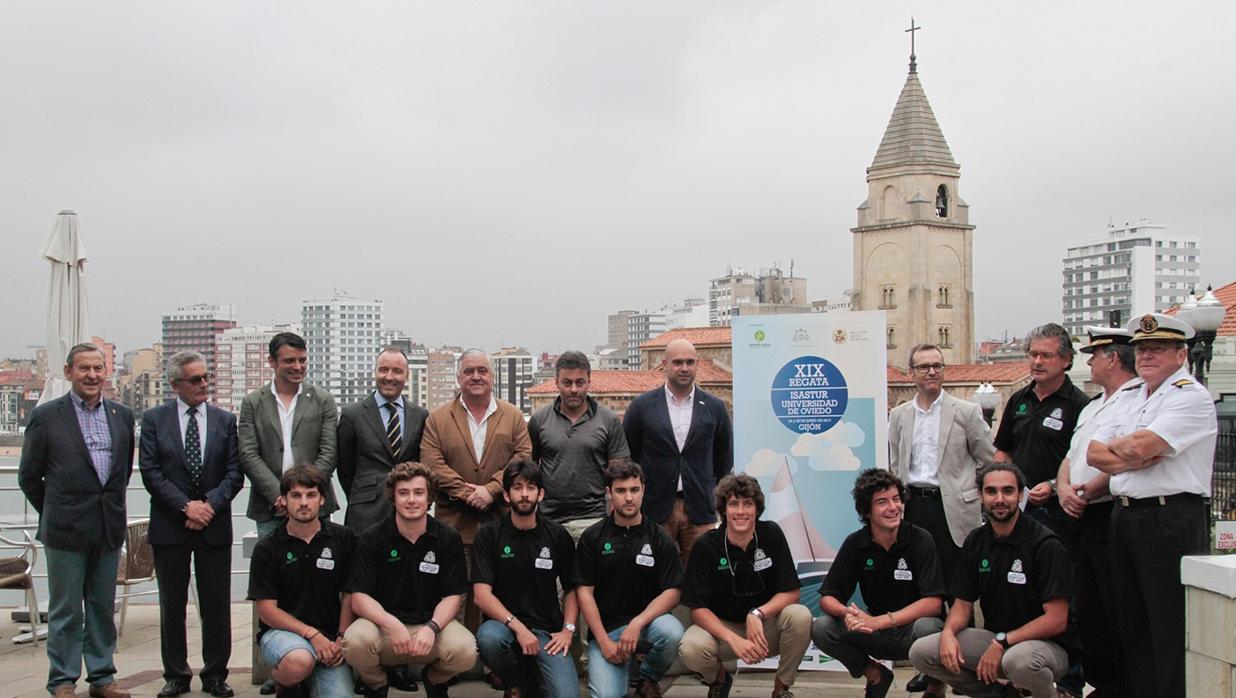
(479, 429)
(286, 416)
(1181, 413)
(680, 413)
(182, 410)
(1088, 423)
(925, 448)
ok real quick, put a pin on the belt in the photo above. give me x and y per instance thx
(924, 491)
(1160, 501)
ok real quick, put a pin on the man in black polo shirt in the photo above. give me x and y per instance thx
(296, 578)
(742, 588)
(895, 567)
(1018, 569)
(517, 563)
(1035, 432)
(407, 583)
(629, 574)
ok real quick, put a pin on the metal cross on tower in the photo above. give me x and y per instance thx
(913, 58)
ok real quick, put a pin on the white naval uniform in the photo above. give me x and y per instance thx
(1182, 413)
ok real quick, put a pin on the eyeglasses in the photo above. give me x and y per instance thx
(196, 380)
(928, 368)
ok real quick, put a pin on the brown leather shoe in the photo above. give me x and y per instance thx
(109, 690)
(65, 690)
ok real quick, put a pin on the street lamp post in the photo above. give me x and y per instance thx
(988, 399)
(1204, 315)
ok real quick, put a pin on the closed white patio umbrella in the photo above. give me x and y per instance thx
(67, 317)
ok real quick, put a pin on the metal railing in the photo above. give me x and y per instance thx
(1223, 481)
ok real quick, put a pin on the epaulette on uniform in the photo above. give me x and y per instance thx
(1182, 383)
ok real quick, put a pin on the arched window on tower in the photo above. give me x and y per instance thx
(888, 298)
(943, 335)
(892, 338)
(942, 202)
(942, 297)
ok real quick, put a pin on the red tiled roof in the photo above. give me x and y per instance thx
(699, 336)
(1227, 296)
(1002, 372)
(16, 377)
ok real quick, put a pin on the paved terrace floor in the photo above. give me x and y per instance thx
(23, 668)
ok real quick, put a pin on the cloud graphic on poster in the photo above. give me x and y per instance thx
(831, 450)
(765, 462)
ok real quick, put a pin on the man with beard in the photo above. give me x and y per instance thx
(1083, 493)
(742, 589)
(894, 565)
(1019, 570)
(629, 577)
(518, 562)
(374, 435)
(573, 440)
(1158, 444)
(297, 577)
(407, 583)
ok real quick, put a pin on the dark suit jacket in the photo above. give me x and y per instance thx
(707, 456)
(57, 476)
(166, 474)
(314, 425)
(447, 450)
(365, 458)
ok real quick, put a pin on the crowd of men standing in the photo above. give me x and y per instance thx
(1066, 529)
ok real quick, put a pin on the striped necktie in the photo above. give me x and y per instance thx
(394, 436)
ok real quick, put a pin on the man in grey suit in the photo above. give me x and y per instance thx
(284, 423)
(75, 465)
(937, 443)
(190, 464)
(374, 435)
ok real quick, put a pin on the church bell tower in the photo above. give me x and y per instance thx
(913, 243)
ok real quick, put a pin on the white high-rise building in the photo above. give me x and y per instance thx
(642, 327)
(693, 312)
(241, 362)
(514, 368)
(343, 334)
(1135, 268)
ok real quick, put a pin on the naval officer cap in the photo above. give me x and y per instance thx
(1105, 336)
(1159, 326)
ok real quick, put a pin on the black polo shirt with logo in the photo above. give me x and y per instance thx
(627, 567)
(1014, 576)
(730, 581)
(1037, 433)
(409, 579)
(523, 566)
(304, 579)
(889, 579)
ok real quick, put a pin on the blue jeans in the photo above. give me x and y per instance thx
(80, 615)
(501, 653)
(325, 682)
(610, 680)
(265, 528)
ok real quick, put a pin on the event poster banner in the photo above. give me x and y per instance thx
(810, 412)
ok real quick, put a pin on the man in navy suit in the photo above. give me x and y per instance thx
(190, 463)
(75, 466)
(682, 437)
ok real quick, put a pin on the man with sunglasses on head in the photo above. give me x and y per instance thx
(1158, 445)
(742, 588)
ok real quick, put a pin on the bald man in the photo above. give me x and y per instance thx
(682, 437)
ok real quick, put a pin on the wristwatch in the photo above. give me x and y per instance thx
(756, 612)
(508, 621)
(1002, 639)
(569, 626)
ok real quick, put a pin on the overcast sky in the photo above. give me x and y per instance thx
(511, 172)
